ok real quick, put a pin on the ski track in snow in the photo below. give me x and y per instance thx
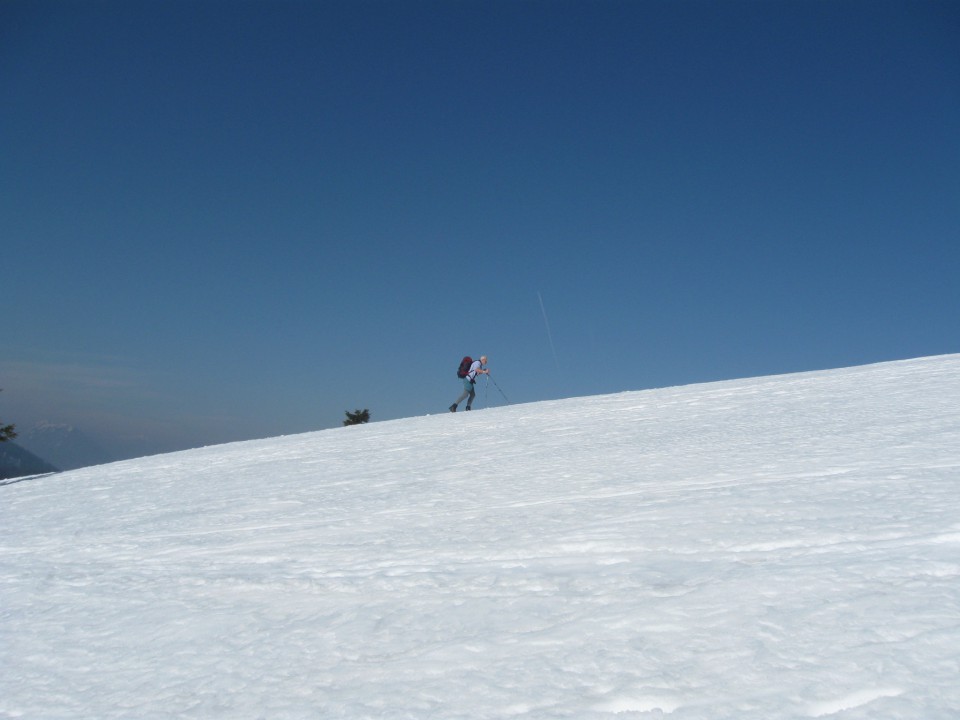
(782, 547)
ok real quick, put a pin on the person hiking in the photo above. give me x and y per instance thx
(477, 367)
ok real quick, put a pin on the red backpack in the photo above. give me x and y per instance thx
(464, 366)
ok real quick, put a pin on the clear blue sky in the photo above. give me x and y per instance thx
(224, 220)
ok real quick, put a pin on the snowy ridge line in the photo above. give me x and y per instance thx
(14, 481)
(768, 548)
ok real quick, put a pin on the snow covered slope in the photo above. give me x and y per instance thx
(782, 547)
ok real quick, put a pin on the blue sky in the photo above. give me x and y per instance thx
(224, 220)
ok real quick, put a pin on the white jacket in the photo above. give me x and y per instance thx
(474, 369)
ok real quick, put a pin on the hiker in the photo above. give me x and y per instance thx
(469, 369)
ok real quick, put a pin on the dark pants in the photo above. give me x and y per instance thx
(468, 391)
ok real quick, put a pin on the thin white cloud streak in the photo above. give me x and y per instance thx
(549, 334)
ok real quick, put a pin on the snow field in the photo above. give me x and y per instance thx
(783, 547)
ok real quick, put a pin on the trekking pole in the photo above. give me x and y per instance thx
(498, 388)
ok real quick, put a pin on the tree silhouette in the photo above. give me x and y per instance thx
(7, 432)
(357, 417)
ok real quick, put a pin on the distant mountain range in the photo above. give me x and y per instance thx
(15, 462)
(62, 446)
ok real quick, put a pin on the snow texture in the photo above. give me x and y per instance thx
(780, 547)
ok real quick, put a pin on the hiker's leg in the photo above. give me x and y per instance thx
(467, 391)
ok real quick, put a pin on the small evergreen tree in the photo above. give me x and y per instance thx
(357, 417)
(7, 432)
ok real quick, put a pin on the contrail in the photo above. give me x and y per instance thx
(549, 334)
